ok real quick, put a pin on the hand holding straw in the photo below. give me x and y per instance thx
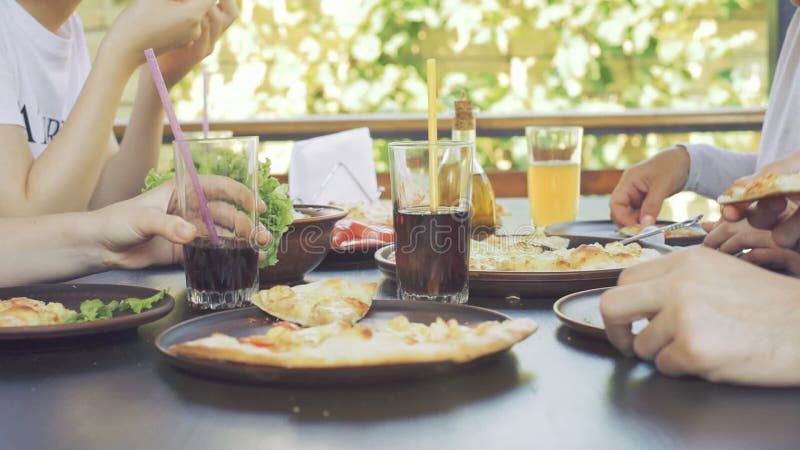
(161, 87)
(205, 103)
(433, 139)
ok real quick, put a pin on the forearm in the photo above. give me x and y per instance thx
(65, 176)
(712, 170)
(45, 248)
(123, 175)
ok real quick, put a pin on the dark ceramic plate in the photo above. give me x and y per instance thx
(250, 321)
(607, 229)
(581, 312)
(71, 296)
(540, 285)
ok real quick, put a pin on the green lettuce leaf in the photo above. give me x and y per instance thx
(95, 309)
(137, 305)
(278, 215)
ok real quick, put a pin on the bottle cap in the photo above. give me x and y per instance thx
(464, 120)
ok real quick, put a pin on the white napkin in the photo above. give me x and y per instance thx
(336, 167)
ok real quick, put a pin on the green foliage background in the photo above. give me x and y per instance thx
(299, 57)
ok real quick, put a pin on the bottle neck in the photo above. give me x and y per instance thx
(469, 136)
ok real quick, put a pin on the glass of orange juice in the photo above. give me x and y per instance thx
(554, 173)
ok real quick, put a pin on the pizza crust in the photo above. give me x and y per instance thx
(769, 185)
(371, 345)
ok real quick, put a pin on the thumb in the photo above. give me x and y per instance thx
(156, 223)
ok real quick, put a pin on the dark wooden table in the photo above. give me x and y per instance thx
(555, 390)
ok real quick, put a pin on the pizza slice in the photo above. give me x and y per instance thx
(370, 343)
(24, 311)
(318, 303)
(766, 186)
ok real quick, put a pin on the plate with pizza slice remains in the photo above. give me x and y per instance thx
(680, 237)
(332, 332)
(766, 186)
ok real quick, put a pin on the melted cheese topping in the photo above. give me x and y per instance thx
(585, 257)
(369, 343)
(23, 311)
(319, 303)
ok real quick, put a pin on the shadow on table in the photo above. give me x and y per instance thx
(387, 290)
(694, 410)
(700, 411)
(356, 402)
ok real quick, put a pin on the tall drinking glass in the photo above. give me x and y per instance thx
(554, 173)
(432, 241)
(223, 274)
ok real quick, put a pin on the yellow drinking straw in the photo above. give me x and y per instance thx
(433, 140)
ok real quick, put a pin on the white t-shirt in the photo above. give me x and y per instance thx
(713, 170)
(41, 73)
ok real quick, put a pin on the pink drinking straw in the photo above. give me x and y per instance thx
(161, 87)
(205, 103)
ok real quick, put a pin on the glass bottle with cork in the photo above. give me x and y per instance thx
(484, 215)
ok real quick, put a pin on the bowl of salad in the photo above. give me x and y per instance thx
(303, 245)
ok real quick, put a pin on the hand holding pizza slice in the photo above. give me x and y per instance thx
(768, 200)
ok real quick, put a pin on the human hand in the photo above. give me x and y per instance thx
(711, 315)
(733, 237)
(777, 214)
(145, 231)
(176, 63)
(158, 24)
(638, 196)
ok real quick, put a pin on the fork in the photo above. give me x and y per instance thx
(686, 223)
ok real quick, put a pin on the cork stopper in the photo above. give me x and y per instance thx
(464, 119)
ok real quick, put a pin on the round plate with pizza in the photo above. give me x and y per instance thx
(608, 229)
(521, 271)
(396, 340)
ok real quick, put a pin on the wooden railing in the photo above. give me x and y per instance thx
(506, 184)
(398, 126)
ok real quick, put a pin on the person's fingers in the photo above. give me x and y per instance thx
(787, 233)
(747, 239)
(766, 213)
(735, 212)
(655, 336)
(227, 216)
(672, 361)
(650, 270)
(217, 187)
(151, 222)
(230, 11)
(719, 235)
(771, 258)
(651, 205)
(263, 236)
(710, 226)
(196, 7)
(216, 25)
(624, 204)
(621, 306)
